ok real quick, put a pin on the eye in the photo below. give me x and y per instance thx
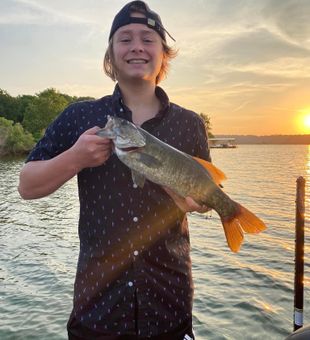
(124, 38)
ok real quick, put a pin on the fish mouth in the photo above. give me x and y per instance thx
(129, 149)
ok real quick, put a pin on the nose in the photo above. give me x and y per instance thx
(137, 46)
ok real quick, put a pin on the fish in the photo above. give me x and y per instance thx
(151, 159)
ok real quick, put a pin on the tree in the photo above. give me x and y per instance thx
(79, 99)
(13, 139)
(207, 121)
(31, 115)
(8, 106)
(42, 110)
(22, 103)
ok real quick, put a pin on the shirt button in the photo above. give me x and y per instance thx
(135, 186)
(130, 284)
(136, 252)
(135, 219)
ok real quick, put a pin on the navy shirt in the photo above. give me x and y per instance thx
(134, 267)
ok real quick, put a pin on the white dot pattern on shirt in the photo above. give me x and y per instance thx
(128, 234)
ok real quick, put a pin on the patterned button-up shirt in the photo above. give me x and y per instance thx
(134, 267)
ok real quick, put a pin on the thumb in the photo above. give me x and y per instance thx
(92, 130)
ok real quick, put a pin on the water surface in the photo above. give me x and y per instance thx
(248, 295)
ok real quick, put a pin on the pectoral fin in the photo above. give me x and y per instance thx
(217, 175)
(137, 178)
(150, 161)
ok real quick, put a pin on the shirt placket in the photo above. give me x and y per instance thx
(137, 280)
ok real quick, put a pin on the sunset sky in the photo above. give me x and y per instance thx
(246, 63)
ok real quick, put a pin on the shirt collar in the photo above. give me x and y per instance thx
(119, 108)
(164, 100)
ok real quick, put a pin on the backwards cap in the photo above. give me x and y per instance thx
(152, 19)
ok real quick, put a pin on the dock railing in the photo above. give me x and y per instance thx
(299, 254)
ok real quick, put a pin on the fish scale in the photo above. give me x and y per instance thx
(152, 159)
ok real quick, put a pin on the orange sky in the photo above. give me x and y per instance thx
(245, 63)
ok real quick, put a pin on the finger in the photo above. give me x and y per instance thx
(173, 194)
(102, 155)
(103, 141)
(92, 130)
(195, 206)
(191, 203)
(106, 147)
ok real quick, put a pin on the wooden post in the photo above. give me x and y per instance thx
(299, 254)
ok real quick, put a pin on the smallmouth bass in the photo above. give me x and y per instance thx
(150, 158)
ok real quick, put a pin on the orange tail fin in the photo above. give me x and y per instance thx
(243, 221)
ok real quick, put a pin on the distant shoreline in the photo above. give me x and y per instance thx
(273, 139)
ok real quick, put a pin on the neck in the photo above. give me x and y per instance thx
(140, 98)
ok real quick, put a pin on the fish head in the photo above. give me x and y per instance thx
(124, 133)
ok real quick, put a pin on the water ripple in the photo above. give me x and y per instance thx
(248, 295)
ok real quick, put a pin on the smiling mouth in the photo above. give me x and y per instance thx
(137, 61)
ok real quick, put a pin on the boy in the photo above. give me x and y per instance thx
(133, 276)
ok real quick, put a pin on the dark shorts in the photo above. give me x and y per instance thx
(183, 332)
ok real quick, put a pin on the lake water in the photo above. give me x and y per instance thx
(248, 295)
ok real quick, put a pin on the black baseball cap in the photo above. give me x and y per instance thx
(152, 19)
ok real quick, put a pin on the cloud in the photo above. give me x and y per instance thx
(291, 18)
(235, 56)
(241, 32)
(282, 68)
(31, 12)
(253, 60)
(260, 45)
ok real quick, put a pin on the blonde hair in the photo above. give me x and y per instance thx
(110, 69)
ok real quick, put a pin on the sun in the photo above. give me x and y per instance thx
(304, 120)
(307, 120)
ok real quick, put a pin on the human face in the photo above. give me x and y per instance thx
(137, 52)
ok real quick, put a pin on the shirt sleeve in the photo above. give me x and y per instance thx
(202, 146)
(60, 135)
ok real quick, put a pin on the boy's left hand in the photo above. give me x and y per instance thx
(186, 204)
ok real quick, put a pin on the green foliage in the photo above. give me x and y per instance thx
(31, 115)
(80, 99)
(35, 113)
(207, 120)
(8, 106)
(14, 139)
(22, 103)
(42, 110)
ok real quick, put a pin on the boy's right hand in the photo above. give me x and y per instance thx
(91, 150)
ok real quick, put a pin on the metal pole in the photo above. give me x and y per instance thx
(299, 254)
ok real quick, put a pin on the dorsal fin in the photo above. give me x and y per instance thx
(217, 175)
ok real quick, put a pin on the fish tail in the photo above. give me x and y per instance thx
(233, 233)
(243, 221)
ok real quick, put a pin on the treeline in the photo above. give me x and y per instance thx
(273, 139)
(23, 119)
